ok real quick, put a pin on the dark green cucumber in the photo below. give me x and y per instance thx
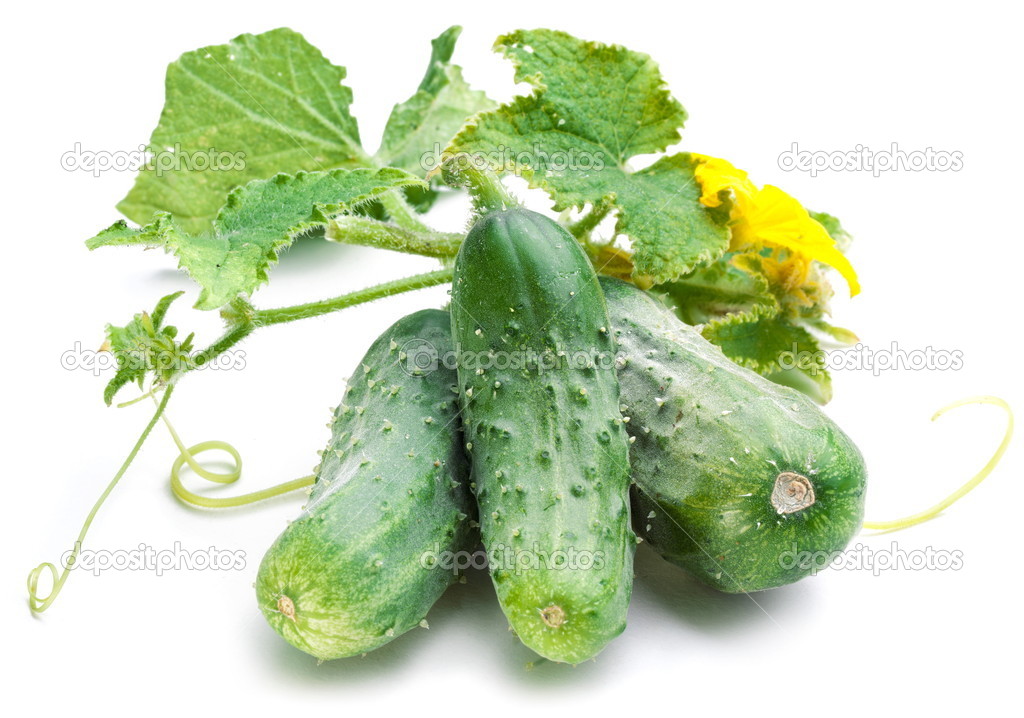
(547, 444)
(359, 566)
(738, 480)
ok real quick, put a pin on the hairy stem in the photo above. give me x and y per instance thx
(354, 229)
(402, 213)
(581, 228)
(232, 336)
(267, 317)
(485, 187)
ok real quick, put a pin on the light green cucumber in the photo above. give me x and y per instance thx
(360, 565)
(744, 483)
(546, 440)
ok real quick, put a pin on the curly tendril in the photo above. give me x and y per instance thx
(921, 517)
(39, 604)
(186, 456)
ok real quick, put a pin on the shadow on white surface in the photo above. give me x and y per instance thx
(467, 620)
(704, 609)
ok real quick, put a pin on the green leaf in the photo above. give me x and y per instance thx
(594, 108)
(775, 346)
(715, 291)
(755, 339)
(257, 222)
(428, 120)
(161, 232)
(270, 102)
(756, 322)
(839, 335)
(144, 345)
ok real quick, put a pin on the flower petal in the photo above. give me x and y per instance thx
(775, 217)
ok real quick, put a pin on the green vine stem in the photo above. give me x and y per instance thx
(394, 203)
(582, 228)
(401, 213)
(355, 229)
(35, 602)
(485, 187)
(243, 318)
(232, 336)
(267, 317)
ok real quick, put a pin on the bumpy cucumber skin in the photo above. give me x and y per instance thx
(391, 491)
(548, 449)
(711, 438)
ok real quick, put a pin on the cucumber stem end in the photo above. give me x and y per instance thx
(793, 492)
(287, 607)
(552, 616)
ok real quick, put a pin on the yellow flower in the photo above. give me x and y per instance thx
(791, 274)
(715, 175)
(769, 216)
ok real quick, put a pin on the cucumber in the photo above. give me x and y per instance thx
(548, 447)
(359, 566)
(735, 476)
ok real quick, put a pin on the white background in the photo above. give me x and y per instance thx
(939, 255)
